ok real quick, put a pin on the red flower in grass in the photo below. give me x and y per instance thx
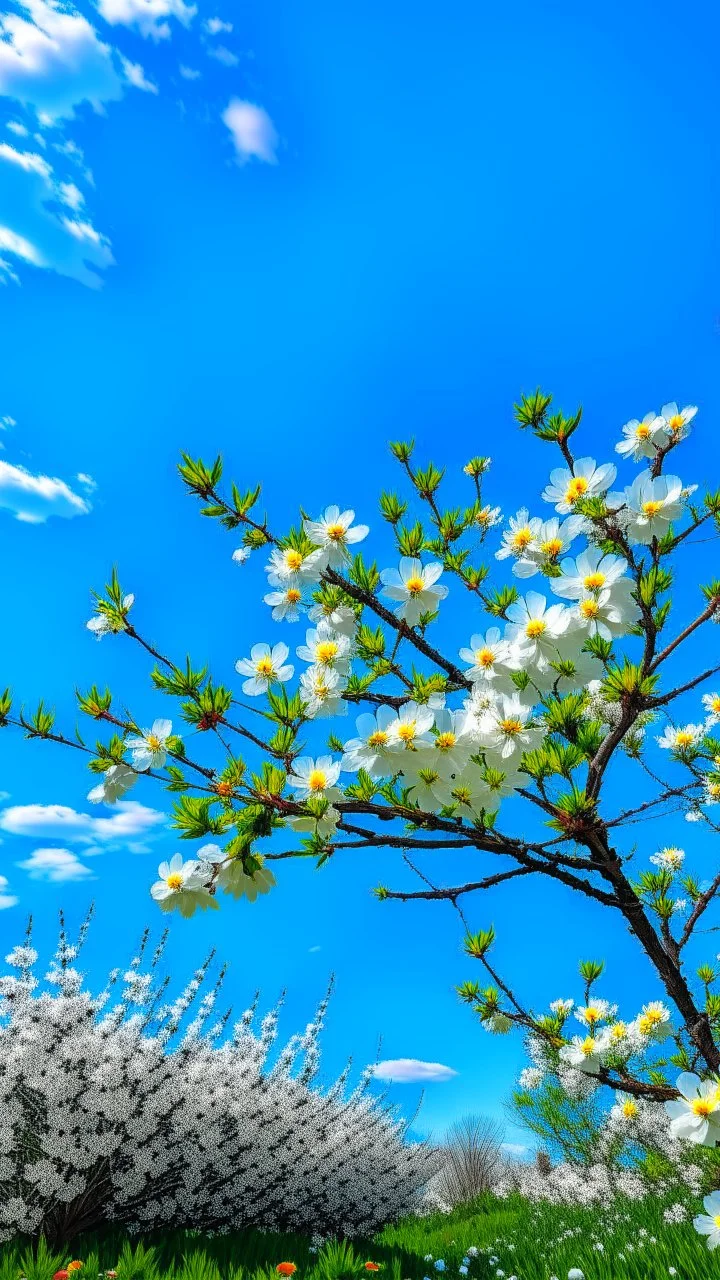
(286, 1268)
(372, 1266)
(62, 1274)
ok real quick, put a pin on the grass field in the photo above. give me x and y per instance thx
(627, 1241)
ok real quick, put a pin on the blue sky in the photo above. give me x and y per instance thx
(329, 226)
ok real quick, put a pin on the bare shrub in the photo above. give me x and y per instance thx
(470, 1159)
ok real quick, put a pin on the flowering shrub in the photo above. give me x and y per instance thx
(125, 1107)
(540, 705)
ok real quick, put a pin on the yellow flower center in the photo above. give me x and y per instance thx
(535, 628)
(650, 1020)
(643, 431)
(703, 1106)
(522, 538)
(511, 726)
(484, 657)
(445, 741)
(154, 742)
(683, 738)
(293, 559)
(462, 794)
(576, 489)
(326, 651)
(415, 586)
(676, 423)
(589, 608)
(293, 595)
(629, 1108)
(378, 738)
(552, 548)
(588, 1046)
(483, 517)
(335, 532)
(652, 507)
(713, 789)
(593, 1014)
(406, 732)
(174, 881)
(594, 581)
(317, 781)
(715, 705)
(264, 666)
(617, 1031)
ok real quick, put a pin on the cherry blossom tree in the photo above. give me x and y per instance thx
(369, 735)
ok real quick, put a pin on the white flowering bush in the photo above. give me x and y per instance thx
(555, 695)
(133, 1108)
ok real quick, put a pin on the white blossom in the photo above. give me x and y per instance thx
(149, 750)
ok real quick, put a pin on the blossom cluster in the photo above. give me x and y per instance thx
(132, 1108)
(455, 751)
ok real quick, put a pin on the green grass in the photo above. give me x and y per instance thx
(514, 1238)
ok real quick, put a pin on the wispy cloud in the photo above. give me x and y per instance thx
(136, 76)
(129, 821)
(412, 1071)
(39, 223)
(33, 499)
(52, 59)
(253, 132)
(6, 899)
(514, 1149)
(221, 54)
(149, 17)
(55, 865)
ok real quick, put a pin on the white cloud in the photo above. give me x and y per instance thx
(71, 195)
(58, 821)
(312, 950)
(18, 129)
(55, 865)
(514, 1148)
(86, 481)
(33, 226)
(149, 17)
(6, 899)
(252, 130)
(189, 73)
(51, 59)
(136, 76)
(226, 56)
(34, 498)
(215, 25)
(412, 1071)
